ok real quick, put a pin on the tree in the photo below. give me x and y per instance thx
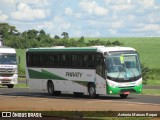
(42, 32)
(6, 29)
(65, 35)
(56, 37)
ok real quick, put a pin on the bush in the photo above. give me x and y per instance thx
(145, 73)
(21, 71)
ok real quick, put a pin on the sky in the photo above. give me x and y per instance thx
(88, 18)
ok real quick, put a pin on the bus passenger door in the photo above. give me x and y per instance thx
(100, 75)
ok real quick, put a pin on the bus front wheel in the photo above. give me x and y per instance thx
(92, 91)
(123, 95)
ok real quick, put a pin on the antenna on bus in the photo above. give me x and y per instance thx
(1, 41)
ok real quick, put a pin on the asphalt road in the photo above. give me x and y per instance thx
(141, 99)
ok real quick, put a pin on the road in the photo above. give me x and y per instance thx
(27, 99)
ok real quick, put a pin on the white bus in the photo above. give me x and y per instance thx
(8, 67)
(84, 70)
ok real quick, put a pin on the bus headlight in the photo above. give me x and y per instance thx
(139, 82)
(112, 84)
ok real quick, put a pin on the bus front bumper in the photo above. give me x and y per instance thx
(124, 90)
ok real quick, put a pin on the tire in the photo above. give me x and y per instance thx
(123, 95)
(78, 94)
(10, 86)
(92, 91)
(57, 93)
(50, 88)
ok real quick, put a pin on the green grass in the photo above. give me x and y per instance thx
(21, 53)
(151, 92)
(21, 85)
(153, 82)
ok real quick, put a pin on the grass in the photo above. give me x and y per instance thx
(153, 82)
(21, 85)
(21, 53)
(95, 115)
(151, 92)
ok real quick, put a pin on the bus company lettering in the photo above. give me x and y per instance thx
(73, 74)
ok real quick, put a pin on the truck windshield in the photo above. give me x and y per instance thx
(122, 66)
(8, 59)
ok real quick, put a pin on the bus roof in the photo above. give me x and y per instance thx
(7, 50)
(100, 49)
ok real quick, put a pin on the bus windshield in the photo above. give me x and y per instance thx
(8, 59)
(121, 66)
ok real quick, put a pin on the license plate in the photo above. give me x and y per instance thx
(127, 93)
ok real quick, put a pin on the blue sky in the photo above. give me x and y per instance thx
(88, 18)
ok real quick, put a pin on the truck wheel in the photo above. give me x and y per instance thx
(10, 86)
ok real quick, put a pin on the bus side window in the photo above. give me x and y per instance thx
(54, 60)
(66, 60)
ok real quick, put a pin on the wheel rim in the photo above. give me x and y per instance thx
(50, 88)
(92, 91)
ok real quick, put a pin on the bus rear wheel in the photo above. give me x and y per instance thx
(10, 86)
(92, 91)
(50, 88)
(123, 95)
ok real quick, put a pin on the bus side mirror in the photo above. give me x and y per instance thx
(18, 59)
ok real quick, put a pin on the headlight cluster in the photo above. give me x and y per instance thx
(112, 84)
(139, 82)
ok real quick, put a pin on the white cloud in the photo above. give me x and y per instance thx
(147, 3)
(68, 11)
(57, 25)
(92, 7)
(8, 1)
(121, 7)
(113, 31)
(3, 17)
(25, 12)
(37, 3)
(77, 33)
(149, 27)
(116, 24)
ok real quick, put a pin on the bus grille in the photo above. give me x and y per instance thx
(127, 90)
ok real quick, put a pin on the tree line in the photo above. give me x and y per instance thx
(34, 38)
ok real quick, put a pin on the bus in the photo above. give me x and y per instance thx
(84, 70)
(8, 67)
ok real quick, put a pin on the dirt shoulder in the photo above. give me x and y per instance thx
(25, 103)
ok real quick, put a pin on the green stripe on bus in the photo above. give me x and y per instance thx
(43, 75)
(69, 49)
(83, 83)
